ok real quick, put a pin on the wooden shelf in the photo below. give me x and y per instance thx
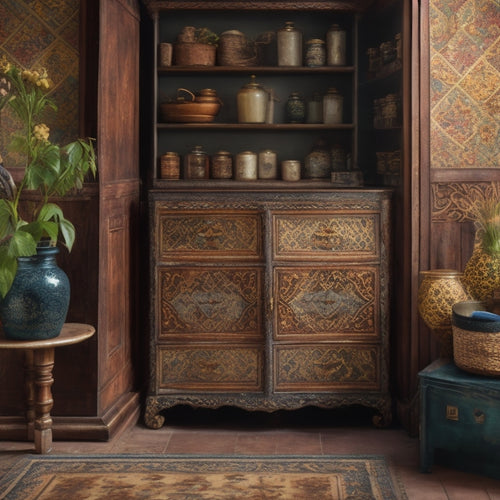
(258, 70)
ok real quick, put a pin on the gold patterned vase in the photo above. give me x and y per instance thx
(439, 290)
(482, 274)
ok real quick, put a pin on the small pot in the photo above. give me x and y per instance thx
(200, 109)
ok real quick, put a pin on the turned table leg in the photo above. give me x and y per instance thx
(43, 363)
(29, 383)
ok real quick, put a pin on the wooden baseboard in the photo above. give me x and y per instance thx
(124, 412)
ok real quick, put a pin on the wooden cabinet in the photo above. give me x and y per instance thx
(269, 300)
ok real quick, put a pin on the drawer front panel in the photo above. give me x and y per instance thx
(211, 368)
(208, 301)
(331, 302)
(326, 236)
(225, 235)
(327, 367)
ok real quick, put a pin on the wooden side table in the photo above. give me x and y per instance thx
(39, 356)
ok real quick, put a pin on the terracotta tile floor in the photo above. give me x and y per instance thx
(309, 431)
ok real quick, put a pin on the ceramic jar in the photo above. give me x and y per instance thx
(197, 164)
(332, 106)
(315, 53)
(439, 290)
(314, 113)
(246, 166)
(482, 274)
(289, 40)
(336, 46)
(267, 167)
(252, 101)
(295, 108)
(317, 164)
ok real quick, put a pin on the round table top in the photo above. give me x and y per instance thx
(71, 333)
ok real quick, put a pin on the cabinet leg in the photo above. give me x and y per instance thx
(152, 417)
(43, 364)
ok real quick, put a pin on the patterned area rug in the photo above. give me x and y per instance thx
(183, 477)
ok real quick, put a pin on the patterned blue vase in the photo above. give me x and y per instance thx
(35, 307)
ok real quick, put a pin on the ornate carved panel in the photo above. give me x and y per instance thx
(327, 367)
(187, 235)
(324, 236)
(208, 301)
(333, 301)
(215, 367)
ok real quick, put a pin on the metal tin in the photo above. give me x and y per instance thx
(315, 53)
(267, 167)
(196, 164)
(290, 170)
(170, 166)
(335, 46)
(332, 106)
(222, 165)
(165, 54)
(246, 166)
(289, 40)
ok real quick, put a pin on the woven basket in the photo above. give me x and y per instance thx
(476, 343)
(235, 50)
(194, 54)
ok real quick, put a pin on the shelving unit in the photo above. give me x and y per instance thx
(265, 295)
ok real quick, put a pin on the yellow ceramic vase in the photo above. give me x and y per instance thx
(439, 290)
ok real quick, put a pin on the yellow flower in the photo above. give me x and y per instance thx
(5, 65)
(41, 132)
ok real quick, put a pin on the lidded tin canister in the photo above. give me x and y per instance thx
(252, 102)
(335, 46)
(222, 165)
(290, 170)
(196, 164)
(170, 166)
(332, 106)
(315, 53)
(289, 40)
(267, 166)
(295, 108)
(246, 166)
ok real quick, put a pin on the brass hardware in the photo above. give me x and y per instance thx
(451, 413)
(479, 416)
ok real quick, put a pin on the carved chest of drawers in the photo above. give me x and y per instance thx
(269, 300)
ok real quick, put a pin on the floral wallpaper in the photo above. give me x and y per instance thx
(465, 83)
(44, 33)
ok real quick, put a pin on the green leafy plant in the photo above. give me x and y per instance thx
(50, 170)
(486, 215)
(206, 36)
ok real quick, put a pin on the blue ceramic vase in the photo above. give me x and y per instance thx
(35, 307)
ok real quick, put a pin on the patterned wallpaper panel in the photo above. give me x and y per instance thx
(465, 83)
(44, 33)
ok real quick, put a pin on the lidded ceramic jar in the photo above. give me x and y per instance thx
(295, 108)
(317, 164)
(289, 40)
(252, 102)
(315, 53)
(332, 106)
(196, 164)
(290, 170)
(336, 46)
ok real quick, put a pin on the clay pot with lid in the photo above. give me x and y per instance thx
(252, 101)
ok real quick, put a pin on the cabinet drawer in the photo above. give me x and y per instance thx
(326, 236)
(206, 301)
(184, 235)
(328, 303)
(210, 367)
(327, 367)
